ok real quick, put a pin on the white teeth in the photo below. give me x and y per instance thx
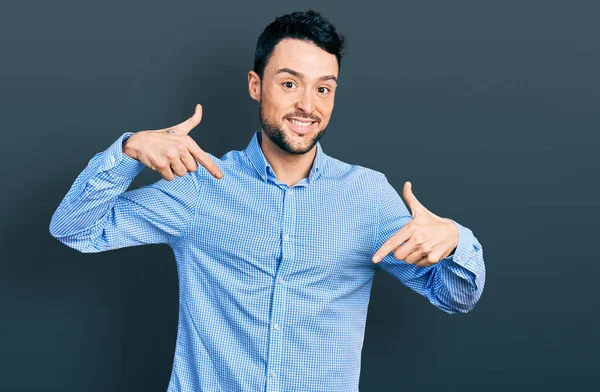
(299, 123)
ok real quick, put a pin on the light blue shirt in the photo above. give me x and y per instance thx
(274, 280)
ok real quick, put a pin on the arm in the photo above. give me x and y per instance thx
(98, 215)
(455, 283)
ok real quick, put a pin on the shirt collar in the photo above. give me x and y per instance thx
(259, 162)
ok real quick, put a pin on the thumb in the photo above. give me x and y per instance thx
(411, 200)
(191, 123)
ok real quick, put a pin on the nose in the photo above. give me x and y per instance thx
(305, 102)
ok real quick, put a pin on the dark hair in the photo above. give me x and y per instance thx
(309, 26)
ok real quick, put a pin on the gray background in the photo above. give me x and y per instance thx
(489, 108)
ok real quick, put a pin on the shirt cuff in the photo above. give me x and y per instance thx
(464, 248)
(117, 162)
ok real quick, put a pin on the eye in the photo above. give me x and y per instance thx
(326, 88)
(287, 84)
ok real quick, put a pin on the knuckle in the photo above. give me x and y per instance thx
(172, 153)
(161, 164)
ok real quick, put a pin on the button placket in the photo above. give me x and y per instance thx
(276, 344)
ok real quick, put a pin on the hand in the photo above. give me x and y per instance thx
(425, 240)
(171, 151)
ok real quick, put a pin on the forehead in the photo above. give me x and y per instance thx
(302, 56)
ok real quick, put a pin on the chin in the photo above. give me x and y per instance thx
(298, 143)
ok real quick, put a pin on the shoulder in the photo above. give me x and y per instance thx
(353, 172)
(230, 162)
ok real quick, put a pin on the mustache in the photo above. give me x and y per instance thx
(303, 116)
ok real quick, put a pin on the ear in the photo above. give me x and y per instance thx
(254, 85)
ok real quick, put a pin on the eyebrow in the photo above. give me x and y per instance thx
(301, 75)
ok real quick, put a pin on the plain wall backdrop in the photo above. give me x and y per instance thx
(489, 108)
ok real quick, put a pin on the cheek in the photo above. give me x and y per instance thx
(324, 123)
(326, 108)
(276, 107)
(271, 112)
(327, 111)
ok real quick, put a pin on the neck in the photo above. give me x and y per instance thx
(289, 168)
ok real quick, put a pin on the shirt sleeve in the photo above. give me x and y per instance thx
(455, 283)
(97, 214)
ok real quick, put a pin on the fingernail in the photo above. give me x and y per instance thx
(376, 259)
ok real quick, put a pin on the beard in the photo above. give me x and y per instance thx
(276, 134)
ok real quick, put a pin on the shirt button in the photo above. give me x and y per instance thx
(286, 237)
(280, 281)
(112, 159)
(272, 374)
(276, 327)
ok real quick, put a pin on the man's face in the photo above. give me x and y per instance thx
(296, 94)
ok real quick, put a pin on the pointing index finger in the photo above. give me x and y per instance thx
(204, 159)
(391, 244)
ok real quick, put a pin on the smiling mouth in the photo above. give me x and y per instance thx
(301, 124)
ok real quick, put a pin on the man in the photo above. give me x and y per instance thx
(276, 245)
